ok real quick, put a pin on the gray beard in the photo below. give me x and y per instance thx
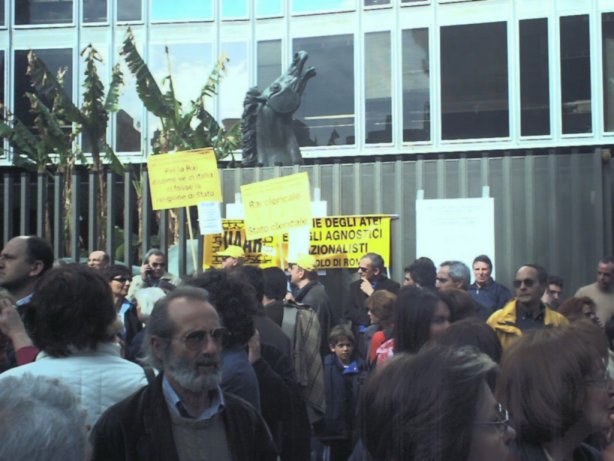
(188, 378)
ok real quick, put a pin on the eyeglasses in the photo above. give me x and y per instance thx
(154, 265)
(527, 283)
(195, 340)
(501, 423)
(363, 269)
(121, 279)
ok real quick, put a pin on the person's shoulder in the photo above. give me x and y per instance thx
(586, 289)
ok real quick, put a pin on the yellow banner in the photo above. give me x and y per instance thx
(275, 206)
(337, 242)
(181, 179)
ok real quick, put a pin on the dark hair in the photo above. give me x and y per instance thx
(555, 280)
(572, 307)
(253, 276)
(460, 303)
(543, 379)
(607, 260)
(38, 249)
(377, 262)
(415, 308)
(542, 275)
(234, 300)
(275, 283)
(473, 332)
(609, 332)
(160, 323)
(383, 305)
(458, 272)
(72, 305)
(114, 270)
(423, 407)
(423, 272)
(338, 333)
(483, 259)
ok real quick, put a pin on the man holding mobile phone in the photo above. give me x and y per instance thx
(153, 271)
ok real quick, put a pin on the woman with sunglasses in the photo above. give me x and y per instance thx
(436, 405)
(555, 383)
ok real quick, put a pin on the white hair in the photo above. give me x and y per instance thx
(40, 420)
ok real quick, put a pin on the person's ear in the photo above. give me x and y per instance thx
(37, 268)
(158, 345)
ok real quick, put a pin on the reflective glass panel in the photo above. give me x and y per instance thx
(2, 12)
(269, 62)
(416, 86)
(129, 118)
(190, 65)
(267, 8)
(94, 10)
(534, 78)
(129, 10)
(234, 9)
(607, 27)
(31, 12)
(474, 81)
(2, 77)
(314, 6)
(378, 100)
(165, 10)
(576, 75)
(54, 59)
(376, 2)
(235, 82)
(326, 115)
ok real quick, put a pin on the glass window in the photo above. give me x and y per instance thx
(378, 100)
(474, 81)
(267, 8)
(607, 28)
(186, 61)
(129, 117)
(2, 78)
(234, 9)
(54, 59)
(130, 10)
(534, 78)
(376, 2)
(2, 12)
(315, 6)
(31, 12)
(94, 10)
(165, 10)
(416, 86)
(269, 62)
(575, 74)
(235, 82)
(326, 115)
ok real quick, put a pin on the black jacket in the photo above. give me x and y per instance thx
(140, 428)
(355, 309)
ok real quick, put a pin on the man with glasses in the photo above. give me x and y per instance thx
(233, 256)
(526, 311)
(371, 278)
(183, 414)
(602, 291)
(153, 271)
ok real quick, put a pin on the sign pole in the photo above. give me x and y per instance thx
(187, 209)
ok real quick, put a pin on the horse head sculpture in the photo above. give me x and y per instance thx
(267, 135)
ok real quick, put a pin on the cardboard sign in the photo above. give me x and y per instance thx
(337, 242)
(183, 179)
(275, 206)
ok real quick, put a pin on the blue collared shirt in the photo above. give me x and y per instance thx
(172, 399)
(24, 300)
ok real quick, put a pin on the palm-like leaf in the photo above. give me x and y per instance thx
(111, 103)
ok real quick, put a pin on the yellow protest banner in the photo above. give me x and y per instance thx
(275, 206)
(337, 242)
(182, 179)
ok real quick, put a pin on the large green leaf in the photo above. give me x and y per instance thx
(117, 80)
(146, 85)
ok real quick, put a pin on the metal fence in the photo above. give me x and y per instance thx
(553, 208)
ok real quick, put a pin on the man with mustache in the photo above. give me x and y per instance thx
(183, 414)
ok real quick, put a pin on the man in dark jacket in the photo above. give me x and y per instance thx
(183, 415)
(372, 278)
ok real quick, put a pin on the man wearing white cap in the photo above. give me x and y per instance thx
(232, 257)
(309, 291)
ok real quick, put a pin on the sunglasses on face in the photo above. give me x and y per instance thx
(527, 283)
(502, 421)
(121, 279)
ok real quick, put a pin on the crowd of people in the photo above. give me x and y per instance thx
(242, 363)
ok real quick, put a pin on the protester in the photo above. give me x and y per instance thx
(382, 311)
(118, 276)
(484, 289)
(602, 291)
(145, 300)
(475, 333)
(552, 295)
(98, 260)
(462, 305)
(233, 256)
(580, 308)
(453, 274)
(152, 273)
(421, 272)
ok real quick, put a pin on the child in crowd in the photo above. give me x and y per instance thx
(343, 376)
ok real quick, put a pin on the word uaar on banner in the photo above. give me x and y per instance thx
(182, 179)
(275, 206)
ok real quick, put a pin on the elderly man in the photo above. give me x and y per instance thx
(153, 271)
(453, 274)
(98, 260)
(372, 278)
(602, 291)
(526, 311)
(233, 256)
(484, 289)
(183, 414)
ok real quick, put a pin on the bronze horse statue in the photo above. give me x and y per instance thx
(267, 134)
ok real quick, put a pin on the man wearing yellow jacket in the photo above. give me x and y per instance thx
(526, 311)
